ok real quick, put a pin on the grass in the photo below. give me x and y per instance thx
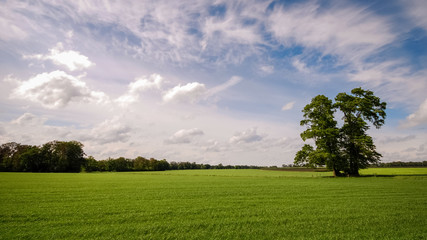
(213, 204)
(394, 172)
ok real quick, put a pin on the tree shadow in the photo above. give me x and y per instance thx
(394, 175)
(379, 175)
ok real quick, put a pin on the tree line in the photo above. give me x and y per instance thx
(400, 164)
(54, 156)
(62, 156)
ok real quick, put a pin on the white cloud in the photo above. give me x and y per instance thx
(398, 139)
(71, 59)
(10, 79)
(419, 117)
(32, 129)
(416, 9)
(154, 81)
(300, 66)
(349, 32)
(109, 131)
(184, 136)
(230, 29)
(268, 69)
(215, 146)
(391, 71)
(247, 136)
(288, 106)
(394, 80)
(56, 89)
(29, 119)
(231, 82)
(9, 25)
(10, 31)
(191, 92)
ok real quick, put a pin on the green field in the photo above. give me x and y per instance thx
(214, 204)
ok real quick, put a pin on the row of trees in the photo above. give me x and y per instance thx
(348, 148)
(60, 156)
(400, 164)
(142, 164)
(54, 156)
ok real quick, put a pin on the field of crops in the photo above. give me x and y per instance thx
(214, 204)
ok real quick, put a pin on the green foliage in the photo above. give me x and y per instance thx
(91, 164)
(211, 204)
(401, 164)
(348, 148)
(304, 157)
(10, 156)
(59, 156)
(55, 156)
(358, 108)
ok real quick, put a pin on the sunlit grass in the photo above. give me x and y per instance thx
(211, 204)
(394, 171)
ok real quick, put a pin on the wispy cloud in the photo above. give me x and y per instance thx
(350, 33)
(222, 87)
(300, 66)
(415, 9)
(10, 29)
(288, 106)
(268, 69)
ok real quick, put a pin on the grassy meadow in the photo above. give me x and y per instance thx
(214, 204)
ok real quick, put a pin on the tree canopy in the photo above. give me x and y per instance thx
(346, 149)
(54, 156)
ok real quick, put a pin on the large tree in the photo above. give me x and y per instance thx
(322, 128)
(348, 148)
(357, 109)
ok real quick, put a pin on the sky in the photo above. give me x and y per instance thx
(207, 81)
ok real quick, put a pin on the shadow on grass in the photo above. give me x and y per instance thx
(380, 175)
(394, 175)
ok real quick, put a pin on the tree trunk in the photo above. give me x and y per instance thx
(337, 173)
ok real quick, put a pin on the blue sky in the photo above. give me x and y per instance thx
(207, 81)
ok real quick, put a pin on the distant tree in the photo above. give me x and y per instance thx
(206, 166)
(120, 164)
(174, 166)
(162, 165)
(153, 164)
(141, 164)
(91, 164)
(10, 156)
(103, 165)
(62, 156)
(304, 158)
(32, 160)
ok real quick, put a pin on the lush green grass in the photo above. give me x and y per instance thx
(394, 172)
(211, 204)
